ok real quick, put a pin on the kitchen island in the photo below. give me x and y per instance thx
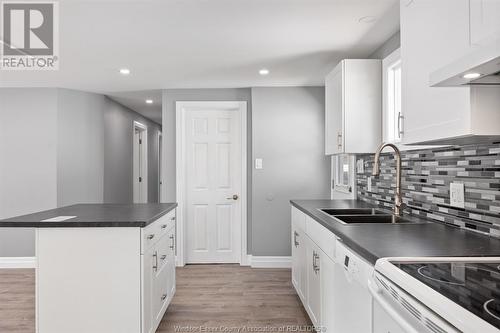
(102, 267)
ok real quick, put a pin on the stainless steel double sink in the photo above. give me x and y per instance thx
(363, 216)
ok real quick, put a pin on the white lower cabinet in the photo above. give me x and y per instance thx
(313, 282)
(313, 269)
(158, 269)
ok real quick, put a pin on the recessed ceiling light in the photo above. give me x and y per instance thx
(471, 75)
(124, 71)
(367, 19)
(149, 101)
(264, 71)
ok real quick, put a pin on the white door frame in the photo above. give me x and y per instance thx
(160, 171)
(180, 168)
(144, 158)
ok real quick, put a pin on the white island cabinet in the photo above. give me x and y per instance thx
(109, 270)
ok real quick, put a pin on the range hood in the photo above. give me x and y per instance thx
(483, 60)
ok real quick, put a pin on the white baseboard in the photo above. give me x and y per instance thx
(270, 262)
(17, 262)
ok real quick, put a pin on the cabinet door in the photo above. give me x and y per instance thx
(314, 282)
(334, 106)
(327, 267)
(171, 263)
(433, 34)
(484, 21)
(148, 261)
(295, 257)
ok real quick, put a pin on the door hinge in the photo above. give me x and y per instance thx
(140, 179)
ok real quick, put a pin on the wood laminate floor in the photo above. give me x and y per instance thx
(209, 298)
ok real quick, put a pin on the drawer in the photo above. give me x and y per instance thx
(156, 230)
(162, 248)
(324, 238)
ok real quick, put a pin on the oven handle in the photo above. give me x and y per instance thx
(393, 313)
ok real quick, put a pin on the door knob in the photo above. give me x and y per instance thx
(234, 197)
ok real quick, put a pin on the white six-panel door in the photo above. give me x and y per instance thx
(213, 185)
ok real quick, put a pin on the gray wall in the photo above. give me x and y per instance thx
(392, 44)
(80, 147)
(170, 97)
(288, 134)
(118, 151)
(28, 162)
(60, 147)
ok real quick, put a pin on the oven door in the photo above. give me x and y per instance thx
(395, 311)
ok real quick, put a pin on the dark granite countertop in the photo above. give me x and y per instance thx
(426, 239)
(94, 215)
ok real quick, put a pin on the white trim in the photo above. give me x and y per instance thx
(144, 157)
(180, 167)
(17, 262)
(159, 153)
(271, 262)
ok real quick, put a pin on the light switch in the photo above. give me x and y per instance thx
(258, 163)
(457, 195)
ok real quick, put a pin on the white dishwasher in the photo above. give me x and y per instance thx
(353, 302)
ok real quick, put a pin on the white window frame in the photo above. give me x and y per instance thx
(392, 112)
(338, 184)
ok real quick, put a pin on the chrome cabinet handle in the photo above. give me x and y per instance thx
(295, 235)
(172, 245)
(339, 140)
(314, 261)
(163, 297)
(234, 197)
(172, 218)
(163, 257)
(400, 120)
(155, 265)
(316, 268)
(163, 226)
(151, 236)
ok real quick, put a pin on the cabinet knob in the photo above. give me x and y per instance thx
(163, 226)
(163, 257)
(151, 236)
(163, 297)
(172, 218)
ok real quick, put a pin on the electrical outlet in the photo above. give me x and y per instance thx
(360, 166)
(457, 195)
(258, 163)
(369, 184)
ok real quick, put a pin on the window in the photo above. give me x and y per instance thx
(343, 173)
(393, 115)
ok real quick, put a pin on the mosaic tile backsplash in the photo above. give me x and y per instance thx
(426, 178)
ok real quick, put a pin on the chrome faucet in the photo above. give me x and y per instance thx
(398, 201)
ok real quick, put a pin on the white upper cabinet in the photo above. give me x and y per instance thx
(434, 34)
(484, 21)
(353, 116)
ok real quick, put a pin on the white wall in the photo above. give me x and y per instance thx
(28, 161)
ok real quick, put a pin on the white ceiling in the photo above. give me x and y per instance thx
(206, 43)
(135, 100)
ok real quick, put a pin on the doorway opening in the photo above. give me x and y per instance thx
(140, 156)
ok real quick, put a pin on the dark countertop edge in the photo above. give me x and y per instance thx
(96, 224)
(346, 240)
(353, 245)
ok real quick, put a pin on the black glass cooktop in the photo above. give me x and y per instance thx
(474, 286)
